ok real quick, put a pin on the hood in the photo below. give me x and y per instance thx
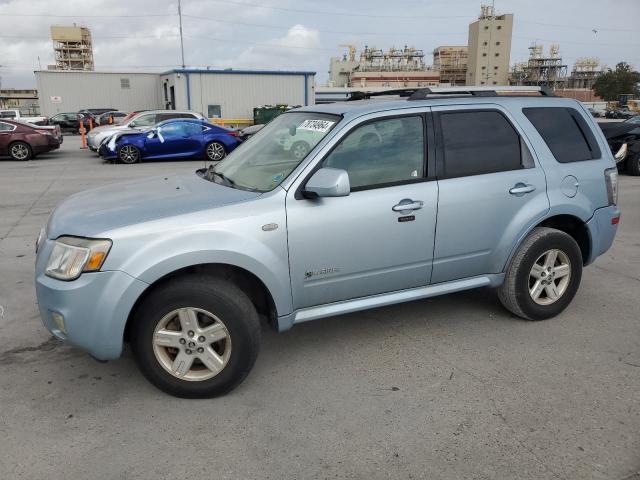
(616, 129)
(93, 212)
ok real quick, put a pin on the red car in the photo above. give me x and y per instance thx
(22, 141)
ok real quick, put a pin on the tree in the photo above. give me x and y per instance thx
(611, 84)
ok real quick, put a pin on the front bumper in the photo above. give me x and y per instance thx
(95, 307)
(602, 228)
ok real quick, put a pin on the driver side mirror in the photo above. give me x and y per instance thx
(152, 133)
(328, 182)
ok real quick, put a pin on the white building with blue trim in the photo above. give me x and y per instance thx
(226, 94)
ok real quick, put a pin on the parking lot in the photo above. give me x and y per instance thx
(449, 387)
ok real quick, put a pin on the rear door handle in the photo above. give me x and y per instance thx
(520, 189)
(407, 205)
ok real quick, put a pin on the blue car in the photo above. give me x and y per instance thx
(178, 138)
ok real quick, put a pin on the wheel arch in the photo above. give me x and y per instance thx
(246, 280)
(571, 224)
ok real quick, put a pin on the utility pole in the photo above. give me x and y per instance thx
(181, 40)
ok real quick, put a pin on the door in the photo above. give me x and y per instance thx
(491, 189)
(380, 237)
(175, 139)
(6, 131)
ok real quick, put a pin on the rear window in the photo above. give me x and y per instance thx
(565, 132)
(478, 142)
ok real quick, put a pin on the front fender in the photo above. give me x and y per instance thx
(152, 250)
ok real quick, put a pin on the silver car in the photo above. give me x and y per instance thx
(142, 121)
(394, 201)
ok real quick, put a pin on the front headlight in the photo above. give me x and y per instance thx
(71, 256)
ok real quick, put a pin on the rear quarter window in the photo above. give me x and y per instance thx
(565, 132)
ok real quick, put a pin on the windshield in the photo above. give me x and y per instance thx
(267, 158)
(635, 119)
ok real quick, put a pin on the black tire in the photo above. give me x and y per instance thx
(213, 294)
(215, 151)
(129, 154)
(633, 165)
(514, 292)
(20, 151)
(299, 150)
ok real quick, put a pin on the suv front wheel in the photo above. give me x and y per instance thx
(196, 336)
(543, 275)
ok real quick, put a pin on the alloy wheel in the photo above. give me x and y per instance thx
(20, 151)
(215, 151)
(192, 344)
(129, 154)
(549, 277)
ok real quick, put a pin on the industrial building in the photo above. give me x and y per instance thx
(72, 48)
(25, 100)
(540, 69)
(226, 94)
(489, 48)
(451, 62)
(395, 68)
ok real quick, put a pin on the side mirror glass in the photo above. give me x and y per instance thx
(328, 182)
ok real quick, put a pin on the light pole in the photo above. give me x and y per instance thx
(181, 40)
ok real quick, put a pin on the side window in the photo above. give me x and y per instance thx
(382, 152)
(145, 121)
(5, 127)
(565, 132)
(478, 142)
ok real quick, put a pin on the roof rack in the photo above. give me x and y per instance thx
(424, 93)
(362, 95)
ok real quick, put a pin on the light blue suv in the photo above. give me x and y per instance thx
(397, 199)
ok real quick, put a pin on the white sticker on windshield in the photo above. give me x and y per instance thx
(316, 125)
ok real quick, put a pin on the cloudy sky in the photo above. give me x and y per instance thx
(142, 35)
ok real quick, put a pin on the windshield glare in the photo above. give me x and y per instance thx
(267, 158)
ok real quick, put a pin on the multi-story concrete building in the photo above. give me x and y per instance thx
(451, 61)
(489, 48)
(72, 48)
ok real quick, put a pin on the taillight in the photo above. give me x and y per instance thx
(233, 134)
(611, 180)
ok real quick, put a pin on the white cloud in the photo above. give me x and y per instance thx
(292, 50)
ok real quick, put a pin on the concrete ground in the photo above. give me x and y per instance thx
(450, 387)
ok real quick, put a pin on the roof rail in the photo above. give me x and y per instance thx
(363, 95)
(423, 93)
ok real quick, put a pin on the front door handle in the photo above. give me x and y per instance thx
(406, 205)
(520, 189)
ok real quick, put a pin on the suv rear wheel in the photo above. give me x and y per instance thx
(543, 275)
(196, 336)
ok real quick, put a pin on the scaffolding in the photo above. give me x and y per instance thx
(407, 59)
(72, 47)
(585, 73)
(451, 61)
(541, 70)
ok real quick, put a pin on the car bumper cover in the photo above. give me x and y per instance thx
(95, 308)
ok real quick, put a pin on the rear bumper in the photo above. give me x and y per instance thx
(95, 308)
(602, 228)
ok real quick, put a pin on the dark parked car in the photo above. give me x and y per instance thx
(624, 141)
(22, 141)
(179, 138)
(116, 118)
(622, 113)
(69, 121)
